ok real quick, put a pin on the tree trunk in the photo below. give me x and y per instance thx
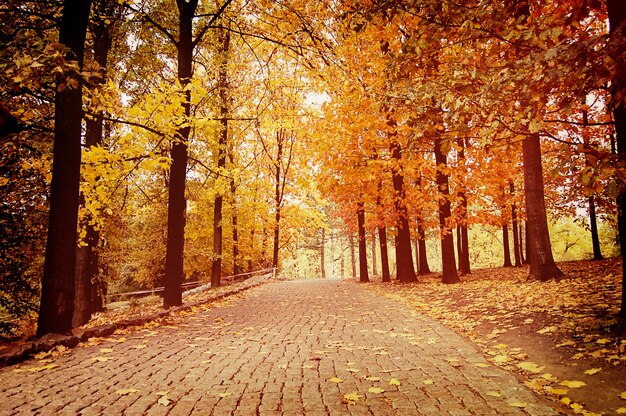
(593, 225)
(352, 254)
(177, 205)
(617, 19)
(363, 273)
(374, 268)
(448, 261)
(423, 267)
(87, 300)
(505, 244)
(517, 247)
(462, 237)
(384, 254)
(542, 265)
(218, 206)
(405, 271)
(322, 254)
(57, 287)
(235, 220)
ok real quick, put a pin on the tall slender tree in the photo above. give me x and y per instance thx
(363, 272)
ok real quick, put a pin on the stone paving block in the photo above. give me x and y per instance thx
(271, 353)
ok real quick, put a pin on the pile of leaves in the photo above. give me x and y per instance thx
(557, 336)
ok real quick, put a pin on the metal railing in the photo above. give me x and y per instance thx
(189, 287)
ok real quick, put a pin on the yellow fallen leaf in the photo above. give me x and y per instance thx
(352, 398)
(164, 401)
(566, 400)
(520, 405)
(35, 369)
(593, 371)
(500, 346)
(123, 392)
(576, 407)
(105, 350)
(549, 377)
(225, 394)
(101, 359)
(573, 384)
(530, 367)
(501, 358)
(376, 390)
(623, 395)
(370, 378)
(565, 344)
(481, 365)
(494, 394)
(428, 381)
(558, 392)
(353, 370)
(621, 411)
(603, 341)
(547, 329)
(139, 346)
(394, 382)
(335, 380)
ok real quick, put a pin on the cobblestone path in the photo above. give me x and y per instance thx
(279, 349)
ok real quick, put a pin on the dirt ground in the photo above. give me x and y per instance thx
(559, 338)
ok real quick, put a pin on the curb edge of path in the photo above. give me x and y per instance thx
(17, 354)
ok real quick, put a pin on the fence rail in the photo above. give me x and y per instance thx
(189, 287)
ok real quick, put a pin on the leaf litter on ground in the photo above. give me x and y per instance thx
(573, 317)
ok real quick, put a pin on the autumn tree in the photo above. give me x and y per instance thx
(57, 292)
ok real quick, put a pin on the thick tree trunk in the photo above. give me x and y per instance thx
(448, 261)
(363, 273)
(177, 205)
(87, 257)
(384, 254)
(542, 265)
(617, 20)
(57, 287)
(405, 271)
(218, 206)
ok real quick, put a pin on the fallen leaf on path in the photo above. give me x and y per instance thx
(124, 392)
(623, 395)
(394, 382)
(376, 390)
(335, 380)
(36, 369)
(164, 401)
(621, 411)
(353, 370)
(352, 398)
(225, 394)
(429, 381)
(593, 371)
(139, 346)
(101, 359)
(520, 405)
(106, 350)
(573, 384)
(494, 394)
(530, 367)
